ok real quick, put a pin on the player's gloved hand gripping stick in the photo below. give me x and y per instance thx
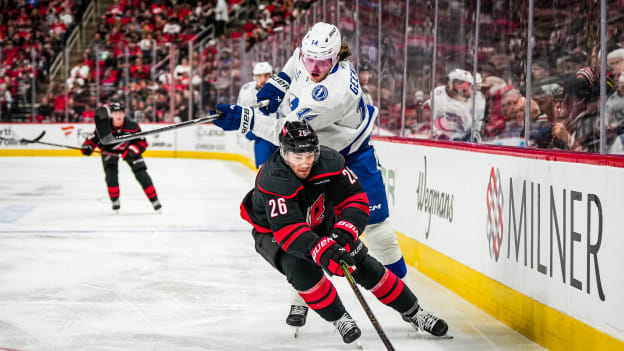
(105, 132)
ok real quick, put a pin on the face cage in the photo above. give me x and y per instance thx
(316, 150)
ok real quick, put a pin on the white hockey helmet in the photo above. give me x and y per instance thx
(322, 42)
(262, 68)
(460, 74)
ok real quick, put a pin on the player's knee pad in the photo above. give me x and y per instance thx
(301, 274)
(382, 242)
(368, 272)
(138, 164)
(358, 251)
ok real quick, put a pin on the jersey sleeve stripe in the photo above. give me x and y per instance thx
(358, 201)
(288, 234)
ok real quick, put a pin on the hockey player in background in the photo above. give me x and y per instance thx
(321, 86)
(129, 151)
(452, 108)
(246, 97)
(308, 210)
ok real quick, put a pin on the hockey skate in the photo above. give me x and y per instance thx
(157, 206)
(347, 328)
(297, 316)
(422, 320)
(116, 205)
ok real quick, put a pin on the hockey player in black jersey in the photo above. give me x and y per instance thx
(129, 151)
(307, 211)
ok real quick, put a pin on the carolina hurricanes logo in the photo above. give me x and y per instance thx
(316, 212)
(494, 199)
(67, 130)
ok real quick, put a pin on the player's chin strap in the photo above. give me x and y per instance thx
(369, 312)
(105, 132)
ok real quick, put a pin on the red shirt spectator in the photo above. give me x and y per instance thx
(139, 70)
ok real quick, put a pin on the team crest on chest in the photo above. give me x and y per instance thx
(316, 212)
(319, 93)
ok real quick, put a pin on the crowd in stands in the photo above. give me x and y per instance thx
(128, 59)
(139, 32)
(32, 33)
(564, 107)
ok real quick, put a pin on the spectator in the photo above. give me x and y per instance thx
(45, 110)
(452, 119)
(67, 17)
(615, 118)
(139, 70)
(172, 27)
(6, 101)
(221, 17)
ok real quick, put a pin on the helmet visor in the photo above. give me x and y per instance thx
(317, 67)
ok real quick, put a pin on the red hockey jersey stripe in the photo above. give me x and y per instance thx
(289, 233)
(324, 175)
(359, 201)
(245, 215)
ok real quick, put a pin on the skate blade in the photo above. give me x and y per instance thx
(296, 332)
(358, 345)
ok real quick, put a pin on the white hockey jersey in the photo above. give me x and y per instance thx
(334, 107)
(452, 119)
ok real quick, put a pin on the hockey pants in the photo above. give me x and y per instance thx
(320, 294)
(139, 168)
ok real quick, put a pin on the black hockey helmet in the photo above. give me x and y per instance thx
(116, 105)
(298, 137)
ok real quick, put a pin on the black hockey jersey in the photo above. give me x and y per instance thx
(297, 212)
(130, 126)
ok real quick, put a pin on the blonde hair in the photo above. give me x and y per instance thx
(344, 51)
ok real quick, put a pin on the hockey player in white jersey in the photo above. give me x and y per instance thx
(321, 86)
(452, 108)
(246, 97)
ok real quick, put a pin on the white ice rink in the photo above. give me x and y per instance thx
(75, 276)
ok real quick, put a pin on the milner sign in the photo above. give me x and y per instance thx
(540, 229)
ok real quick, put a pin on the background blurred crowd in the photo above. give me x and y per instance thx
(468, 82)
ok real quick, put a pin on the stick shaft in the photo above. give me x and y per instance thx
(369, 312)
(109, 138)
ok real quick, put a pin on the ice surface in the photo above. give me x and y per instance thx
(75, 276)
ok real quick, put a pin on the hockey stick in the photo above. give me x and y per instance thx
(37, 141)
(26, 141)
(105, 132)
(369, 313)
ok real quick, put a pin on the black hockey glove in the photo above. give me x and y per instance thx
(345, 234)
(327, 254)
(86, 149)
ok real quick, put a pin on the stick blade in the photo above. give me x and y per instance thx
(39, 136)
(34, 140)
(103, 125)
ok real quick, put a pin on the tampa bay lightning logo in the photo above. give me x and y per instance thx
(319, 93)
